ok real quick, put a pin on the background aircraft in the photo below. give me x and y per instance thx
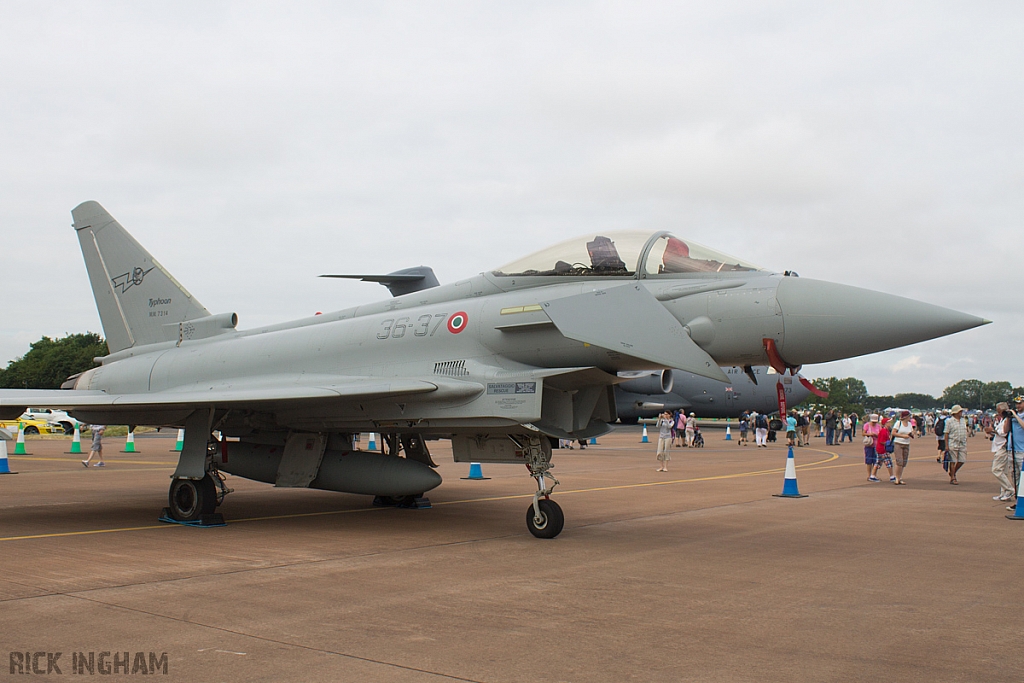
(500, 363)
(645, 395)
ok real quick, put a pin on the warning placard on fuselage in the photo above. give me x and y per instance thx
(512, 388)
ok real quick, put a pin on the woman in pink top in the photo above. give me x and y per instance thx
(870, 455)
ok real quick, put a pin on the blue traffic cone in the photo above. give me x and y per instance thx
(373, 442)
(1018, 511)
(789, 487)
(476, 472)
(593, 441)
(5, 468)
(728, 433)
(645, 439)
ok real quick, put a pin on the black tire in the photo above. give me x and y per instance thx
(190, 499)
(31, 429)
(552, 519)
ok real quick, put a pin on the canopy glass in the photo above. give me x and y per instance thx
(623, 254)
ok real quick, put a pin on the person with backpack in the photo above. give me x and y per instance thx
(940, 434)
(761, 430)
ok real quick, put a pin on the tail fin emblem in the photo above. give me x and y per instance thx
(126, 281)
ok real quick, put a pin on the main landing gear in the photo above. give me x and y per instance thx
(544, 517)
(192, 499)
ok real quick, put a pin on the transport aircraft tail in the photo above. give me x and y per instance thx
(139, 302)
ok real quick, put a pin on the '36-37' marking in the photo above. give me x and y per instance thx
(424, 326)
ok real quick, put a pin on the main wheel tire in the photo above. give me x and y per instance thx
(190, 499)
(551, 522)
(31, 429)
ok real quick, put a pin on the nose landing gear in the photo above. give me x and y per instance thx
(544, 517)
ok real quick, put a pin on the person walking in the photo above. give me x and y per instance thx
(902, 433)
(803, 423)
(761, 430)
(691, 422)
(1015, 444)
(791, 428)
(854, 419)
(96, 449)
(744, 427)
(847, 429)
(1002, 468)
(665, 425)
(830, 428)
(956, 441)
(870, 454)
(680, 427)
(881, 439)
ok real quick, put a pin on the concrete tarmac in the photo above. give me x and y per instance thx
(694, 575)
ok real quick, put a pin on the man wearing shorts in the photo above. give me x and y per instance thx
(96, 450)
(956, 441)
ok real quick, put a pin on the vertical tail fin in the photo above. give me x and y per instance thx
(139, 302)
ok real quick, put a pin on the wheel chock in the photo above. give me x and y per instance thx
(206, 521)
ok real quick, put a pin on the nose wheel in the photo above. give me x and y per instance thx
(544, 519)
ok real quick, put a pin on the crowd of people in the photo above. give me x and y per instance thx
(886, 438)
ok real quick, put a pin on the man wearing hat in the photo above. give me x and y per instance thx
(956, 441)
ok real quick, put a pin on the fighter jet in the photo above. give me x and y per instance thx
(646, 394)
(500, 363)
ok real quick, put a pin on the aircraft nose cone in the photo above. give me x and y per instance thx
(824, 321)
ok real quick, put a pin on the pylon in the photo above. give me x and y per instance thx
(129, 444)
(593, 441)
(645, 439)
(789, 487)
(1018, 512)
(373, 442)
(19, 447)
(728, 433)
(476, 472)
(180, 443)
(76, 441)
(5, 468)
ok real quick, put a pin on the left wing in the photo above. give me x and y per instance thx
(265, 393)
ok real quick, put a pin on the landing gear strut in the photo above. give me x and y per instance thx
(544, 517)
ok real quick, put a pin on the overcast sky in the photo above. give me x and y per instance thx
(252, 146)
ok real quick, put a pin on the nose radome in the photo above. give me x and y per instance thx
(825, 321)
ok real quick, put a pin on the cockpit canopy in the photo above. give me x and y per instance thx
(624, 254)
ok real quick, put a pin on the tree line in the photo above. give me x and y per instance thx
(851, 395)
(51, 361)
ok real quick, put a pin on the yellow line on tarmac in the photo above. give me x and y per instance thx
(834, 456)
(112, 461)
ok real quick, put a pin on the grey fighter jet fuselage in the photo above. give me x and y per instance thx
(500, 362)
(709, 398)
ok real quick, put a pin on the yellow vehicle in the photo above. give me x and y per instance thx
(32, 426)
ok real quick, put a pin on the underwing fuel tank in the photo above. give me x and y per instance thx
(825, 321)
(373, 474)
